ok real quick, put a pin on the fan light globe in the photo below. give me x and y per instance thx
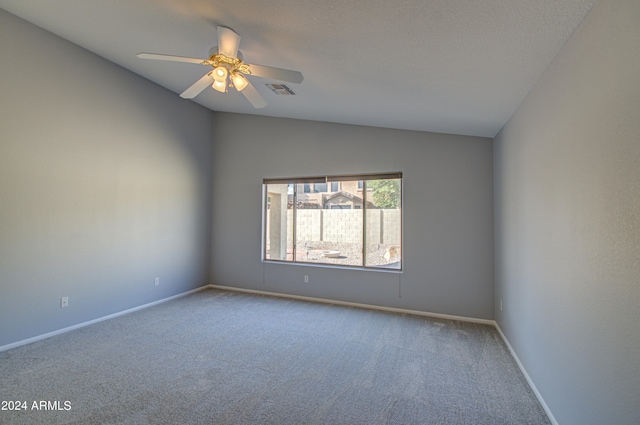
(239, 81)
(220, 86)
(220, 74)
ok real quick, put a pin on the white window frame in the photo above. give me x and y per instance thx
(294, 181)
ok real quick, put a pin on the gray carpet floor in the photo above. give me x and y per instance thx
(219, 357)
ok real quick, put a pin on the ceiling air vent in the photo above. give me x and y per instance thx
(281, 89)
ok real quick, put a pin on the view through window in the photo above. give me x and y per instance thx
(336, 220)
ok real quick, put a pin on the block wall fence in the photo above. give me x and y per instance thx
(382, 225)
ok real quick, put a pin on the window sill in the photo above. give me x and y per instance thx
(335, 266)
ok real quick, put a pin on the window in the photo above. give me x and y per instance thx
(350, 227)
(320, 187)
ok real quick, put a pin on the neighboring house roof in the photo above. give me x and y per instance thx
(347, 195)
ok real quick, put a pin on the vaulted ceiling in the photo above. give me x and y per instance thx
(449, 66)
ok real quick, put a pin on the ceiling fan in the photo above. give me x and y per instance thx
(229, 70)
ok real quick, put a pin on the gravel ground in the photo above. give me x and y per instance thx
(350, 254)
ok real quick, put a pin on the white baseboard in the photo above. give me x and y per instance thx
(527, 377)
(359, 305)
(100, 319)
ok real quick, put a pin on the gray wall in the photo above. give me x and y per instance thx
(567, 172)
(448, 211)
(105, 184)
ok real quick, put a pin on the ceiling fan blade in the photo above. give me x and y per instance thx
(253, 96)
(276, 73)
(228, 42)
(171, 58)
(197, 87)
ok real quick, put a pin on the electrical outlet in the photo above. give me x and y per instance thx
(64, 302)
(157, 281)
(306, 278)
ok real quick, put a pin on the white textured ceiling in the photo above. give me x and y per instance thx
(449, 66)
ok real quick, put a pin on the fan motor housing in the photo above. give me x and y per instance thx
(214, 51)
